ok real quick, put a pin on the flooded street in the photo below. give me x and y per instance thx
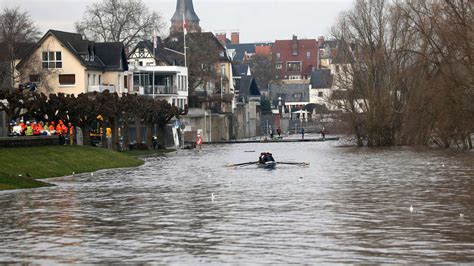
(350, 205)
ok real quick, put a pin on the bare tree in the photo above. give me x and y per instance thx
(16, 29)
(126, 21)
(261, 66)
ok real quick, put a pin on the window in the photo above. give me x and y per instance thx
(52, 60)
(35, 78)
(293, 66)
(100, 79)
(278, 55)
(125, 82)
(320, 94)
(67, 79)
(278, 65)
(295, 77)
(308, 55)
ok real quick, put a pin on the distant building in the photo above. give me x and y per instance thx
(64, 62)
(159, 73)
(293, 95)
(185, 9)
(294, 59)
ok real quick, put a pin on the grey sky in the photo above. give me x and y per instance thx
(259, 20)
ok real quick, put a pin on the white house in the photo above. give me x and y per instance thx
(158, 73)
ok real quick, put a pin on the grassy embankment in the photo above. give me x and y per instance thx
(53, 161)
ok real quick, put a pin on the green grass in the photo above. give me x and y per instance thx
(16, 182)
(54, 161)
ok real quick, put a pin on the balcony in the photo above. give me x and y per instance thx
(101, 88)
(159, 90)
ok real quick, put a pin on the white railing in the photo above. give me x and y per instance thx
(101, 88)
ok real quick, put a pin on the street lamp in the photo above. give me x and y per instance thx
(279, 105)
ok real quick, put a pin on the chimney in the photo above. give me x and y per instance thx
(320, 41)
(294, 46)
(235, 38)
(222, 37)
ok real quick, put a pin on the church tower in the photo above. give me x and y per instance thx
(185, 8)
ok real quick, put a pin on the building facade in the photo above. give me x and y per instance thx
(159, 73)
(63, 62)
(294, 59)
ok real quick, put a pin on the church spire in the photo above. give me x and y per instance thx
(185, 8)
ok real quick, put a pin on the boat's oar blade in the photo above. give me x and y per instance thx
(294, 163)
(241, 164)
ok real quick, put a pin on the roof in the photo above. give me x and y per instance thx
(295, 92)
(242, 48)
(177, 38)
(248, 86)
(240, 70)
(107, 55)
(19, 51)
(186, 8)
(321, 78)
(287, 45)
(161, 54)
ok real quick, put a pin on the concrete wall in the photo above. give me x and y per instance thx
(214, 127)
(246, 121)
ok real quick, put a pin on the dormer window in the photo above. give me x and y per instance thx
(92, 57)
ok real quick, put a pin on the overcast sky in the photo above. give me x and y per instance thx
(256, 20)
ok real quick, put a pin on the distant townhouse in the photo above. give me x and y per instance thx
(64, 62)
(159, 73)
(294, 59)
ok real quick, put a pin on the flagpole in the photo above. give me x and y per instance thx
(185, 57)
(154, 62)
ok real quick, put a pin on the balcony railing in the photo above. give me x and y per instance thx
(159, 90)
(101, 88)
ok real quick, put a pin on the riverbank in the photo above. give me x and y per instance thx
(19, 167)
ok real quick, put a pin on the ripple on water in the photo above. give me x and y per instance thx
(349, 206)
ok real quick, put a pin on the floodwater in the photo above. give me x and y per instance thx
(350, 205)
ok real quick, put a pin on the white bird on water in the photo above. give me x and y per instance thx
(461, 215)
(411, 208)
(92, 174)
(212, 197)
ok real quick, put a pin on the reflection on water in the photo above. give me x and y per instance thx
(350, 205)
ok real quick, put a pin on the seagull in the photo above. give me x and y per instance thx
(461, 215)
(92, 174)
(212, 196)
(411, 208)
(301, 179)
(73, 173)
(443, 164)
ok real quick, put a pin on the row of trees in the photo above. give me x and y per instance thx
(88, 110)
(410, 78)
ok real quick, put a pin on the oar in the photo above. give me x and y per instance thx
(241, 164)
(294, 163)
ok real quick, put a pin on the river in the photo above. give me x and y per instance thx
(350, 205)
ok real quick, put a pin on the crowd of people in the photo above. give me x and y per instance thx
(48, 128)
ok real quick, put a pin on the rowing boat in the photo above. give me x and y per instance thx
(267, 165)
